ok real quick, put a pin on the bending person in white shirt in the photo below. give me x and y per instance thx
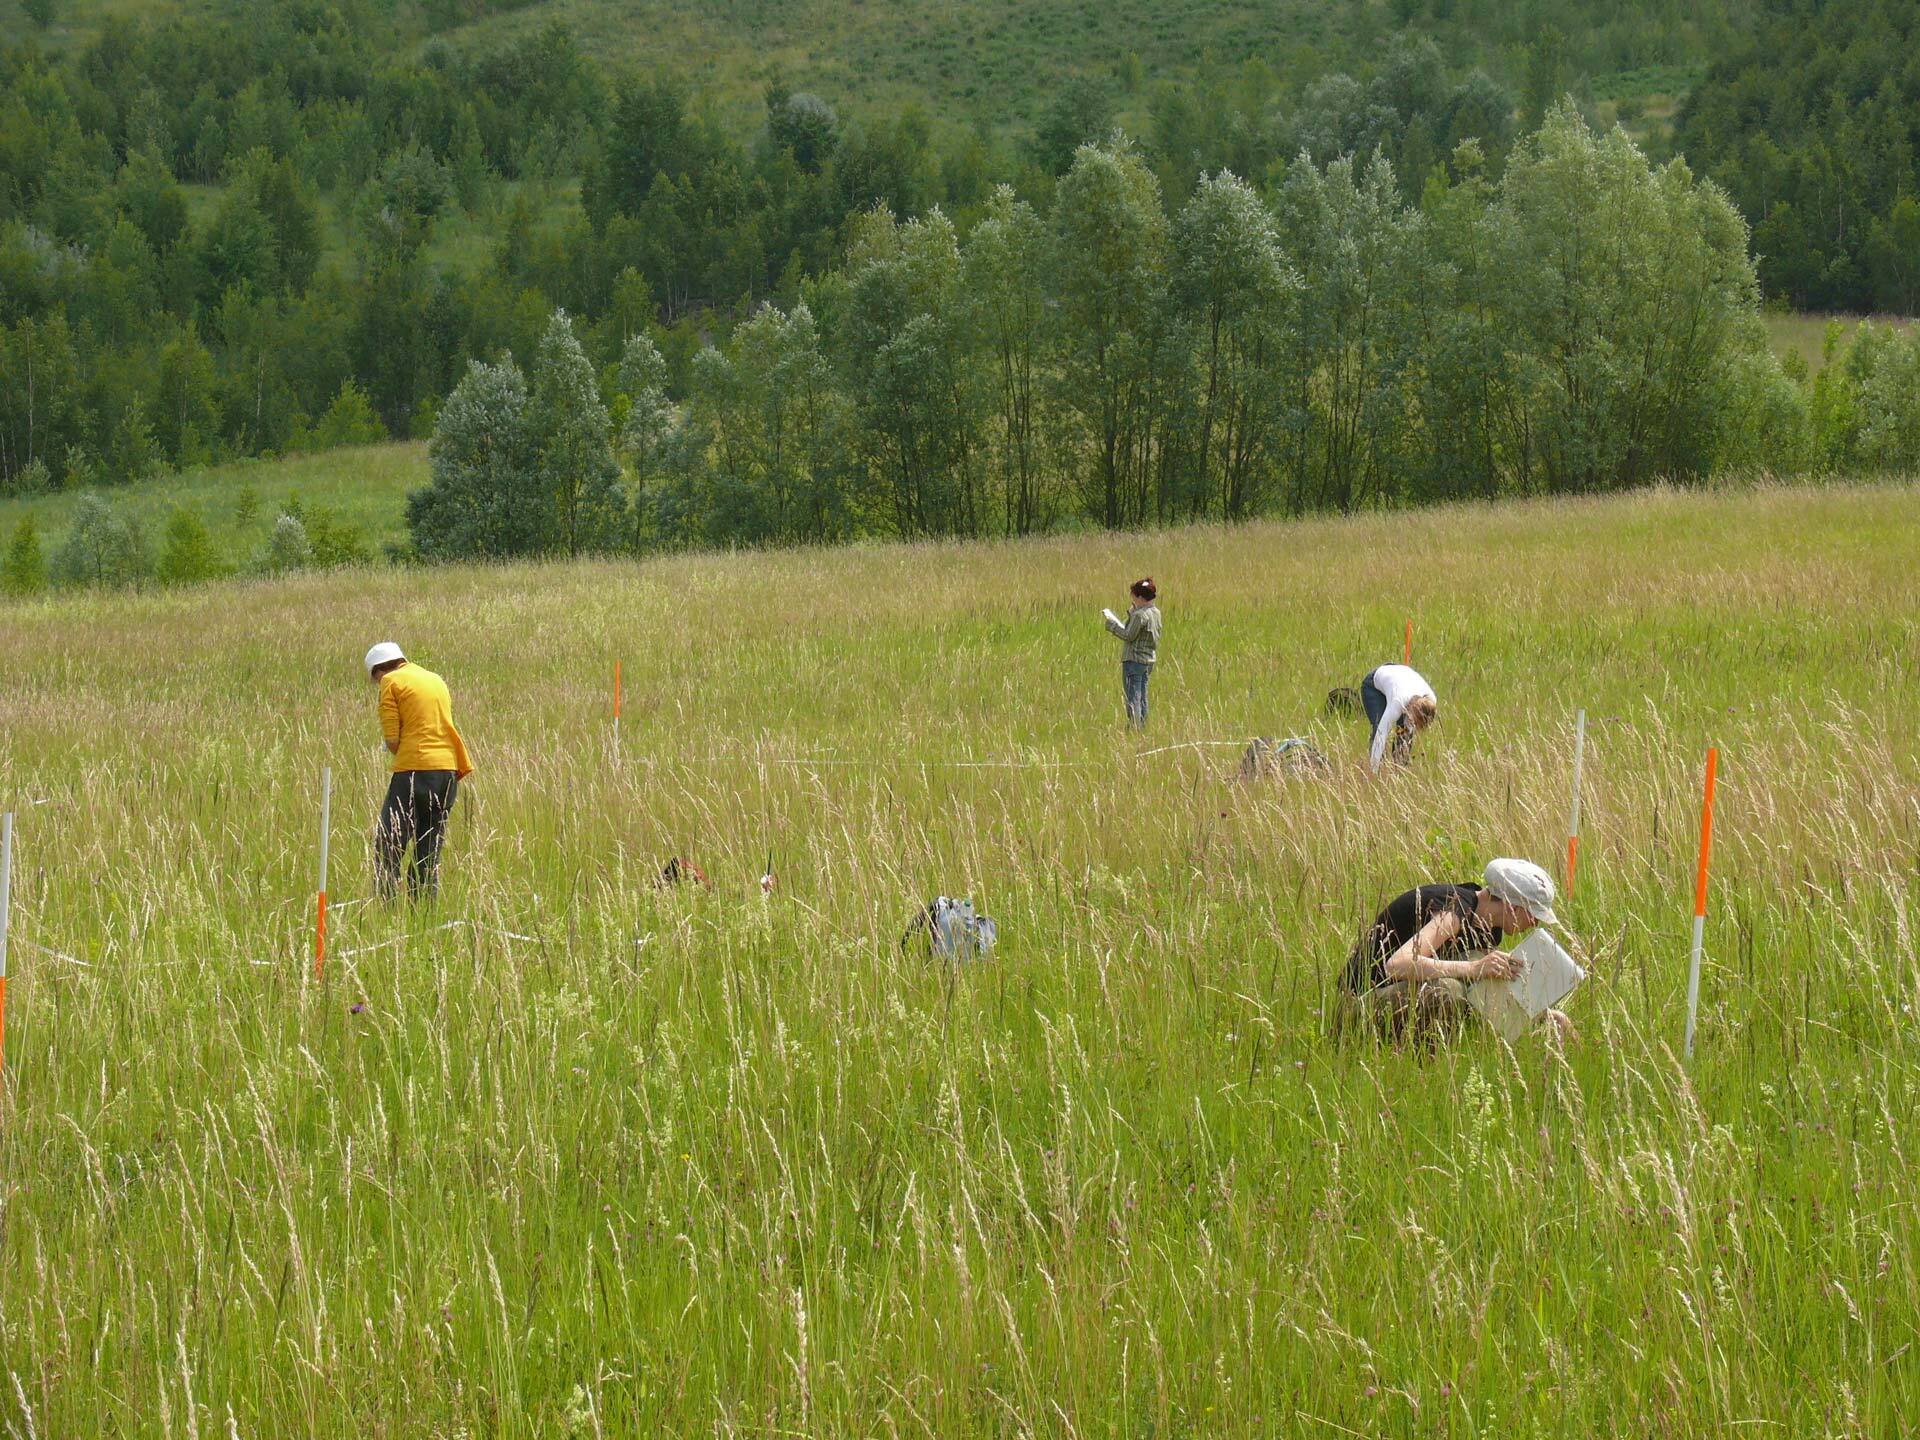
(1399, 704)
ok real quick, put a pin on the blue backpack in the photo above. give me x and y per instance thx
(954, 929)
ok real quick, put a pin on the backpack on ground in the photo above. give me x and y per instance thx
(954, 929)
(1266, 758)
(1343, 700)
(678, 871)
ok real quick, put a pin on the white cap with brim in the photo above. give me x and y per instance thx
(1523, 883)
(385, 653)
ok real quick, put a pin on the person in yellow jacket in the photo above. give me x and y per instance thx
(429, 762)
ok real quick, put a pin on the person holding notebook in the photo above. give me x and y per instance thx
(1412, 966)
(1139, 636)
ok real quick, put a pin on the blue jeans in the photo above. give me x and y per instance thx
(1133, 683)
(1374, 701)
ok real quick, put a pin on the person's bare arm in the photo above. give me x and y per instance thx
(1419, 958)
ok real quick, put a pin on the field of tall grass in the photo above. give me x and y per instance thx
(568, 1153)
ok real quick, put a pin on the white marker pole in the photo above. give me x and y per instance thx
(1573, 825)
(320, 914)
(1700, 897)
(6, 907)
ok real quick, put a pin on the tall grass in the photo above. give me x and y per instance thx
(598, 1158)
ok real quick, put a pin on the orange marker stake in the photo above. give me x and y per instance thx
(1409, 653)
(320, 916)
(6, 908)
(1573, 824)
(1700, 897)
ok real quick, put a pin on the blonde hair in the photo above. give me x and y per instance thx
(1422, 711)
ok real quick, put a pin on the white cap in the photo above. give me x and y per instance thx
(1523, 883)
(385, 653)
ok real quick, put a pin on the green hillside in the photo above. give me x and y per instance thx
(998, 63)
(233, 231)
(363, 488)
(990, 62)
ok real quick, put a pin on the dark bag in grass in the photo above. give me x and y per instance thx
(1343, 700)
(683, 872)
(954, 930)
(1265, 759)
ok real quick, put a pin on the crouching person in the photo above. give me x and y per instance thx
(1409, 974)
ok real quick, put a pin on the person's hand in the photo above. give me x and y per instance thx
(1496, 965)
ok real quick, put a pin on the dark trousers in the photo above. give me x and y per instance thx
(415, 813)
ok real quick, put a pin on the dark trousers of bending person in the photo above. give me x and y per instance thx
(414, 819)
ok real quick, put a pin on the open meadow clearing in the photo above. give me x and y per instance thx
(568, 1153)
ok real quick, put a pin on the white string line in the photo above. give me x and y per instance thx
(506, 934)
(396, 940)
(1189, 745)
(810, 762)
(437, 929)
(923, 764)
(56, 954)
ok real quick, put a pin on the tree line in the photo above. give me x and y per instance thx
(1407, 284)
(1588, 322)
(222, 239)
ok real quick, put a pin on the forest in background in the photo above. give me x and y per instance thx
(220, 240)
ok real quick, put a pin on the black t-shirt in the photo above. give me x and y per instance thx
(1403, 919)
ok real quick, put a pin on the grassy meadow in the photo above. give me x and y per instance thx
(364, 485)
(1801, 337)
(570, 1154)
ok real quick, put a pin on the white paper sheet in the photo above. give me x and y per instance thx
(1547, 976)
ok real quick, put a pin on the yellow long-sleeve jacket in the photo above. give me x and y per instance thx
(416, 719)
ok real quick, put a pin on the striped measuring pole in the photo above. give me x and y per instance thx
(1700, 896)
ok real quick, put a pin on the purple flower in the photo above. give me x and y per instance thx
(359, 1007)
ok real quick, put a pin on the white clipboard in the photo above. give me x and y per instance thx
(1548, 974)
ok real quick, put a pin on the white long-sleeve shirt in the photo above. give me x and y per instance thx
(1401, 684)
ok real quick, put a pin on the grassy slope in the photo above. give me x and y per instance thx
(695, 1163)
(1805, 335)
(75, 22)
(365, 486)
(990, 62)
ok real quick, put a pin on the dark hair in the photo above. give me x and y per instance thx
(1143, 587)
